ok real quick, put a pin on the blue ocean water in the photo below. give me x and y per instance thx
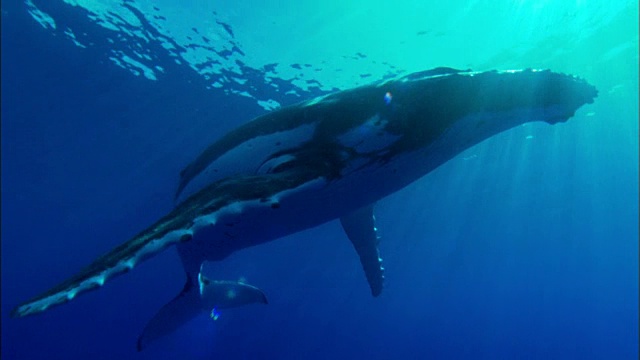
(523, 247)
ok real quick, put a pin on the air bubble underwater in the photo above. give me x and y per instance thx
(215, 314)
(387, 98)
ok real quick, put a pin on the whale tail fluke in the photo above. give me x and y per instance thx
(184, 307)
(196, 296)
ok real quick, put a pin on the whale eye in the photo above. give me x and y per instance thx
(275, 164)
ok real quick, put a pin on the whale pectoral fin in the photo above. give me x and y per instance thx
(179, 226)
(172, 315)
(170, 230)
(360, 228)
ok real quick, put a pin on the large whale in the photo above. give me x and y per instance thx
(328, 158)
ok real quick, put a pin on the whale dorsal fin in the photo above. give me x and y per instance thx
(360, 228)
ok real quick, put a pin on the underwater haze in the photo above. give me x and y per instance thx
(524, 246)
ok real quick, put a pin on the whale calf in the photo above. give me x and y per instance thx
(328, 158)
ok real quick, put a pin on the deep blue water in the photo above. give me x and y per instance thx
(525, 246)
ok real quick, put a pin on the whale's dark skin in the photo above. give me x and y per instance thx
(328, 158)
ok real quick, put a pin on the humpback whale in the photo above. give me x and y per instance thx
(328, 158)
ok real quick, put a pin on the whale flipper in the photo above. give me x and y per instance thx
(202, 210)
(360, 228)
(170, 230)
